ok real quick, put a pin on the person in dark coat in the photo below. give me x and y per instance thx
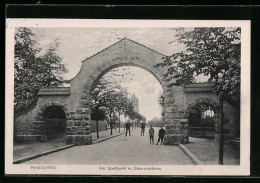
(127, 127)
(142, 128)
(161, 135)
(151, 134)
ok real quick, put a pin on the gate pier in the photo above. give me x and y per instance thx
(78, 128)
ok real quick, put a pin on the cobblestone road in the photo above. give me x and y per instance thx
(129, 150)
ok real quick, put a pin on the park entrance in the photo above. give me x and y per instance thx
(76, 99)
(126, 93)
(127, 53)
(202, 121)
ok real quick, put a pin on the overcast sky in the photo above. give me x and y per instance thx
(141, 83)
(76, 44)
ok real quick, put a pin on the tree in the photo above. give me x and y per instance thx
(139, 118)
(97, 112)
(155, 122)
(115, 78)
(34, 67)
(111, 97)
(213, 52)
(115, 120)
(129, 111)
(121, 103)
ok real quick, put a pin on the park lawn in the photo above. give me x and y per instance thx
(206, 150)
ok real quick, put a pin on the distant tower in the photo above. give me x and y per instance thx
(135, 101)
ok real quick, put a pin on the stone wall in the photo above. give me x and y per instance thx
(230, 113)
(30, 124)
(194, 98)
(78, 128)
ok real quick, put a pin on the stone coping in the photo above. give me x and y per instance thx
(199, 87)
(54, 91)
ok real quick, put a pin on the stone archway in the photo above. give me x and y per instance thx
(55, 122)
(42, 126)
(125, 52)
(88, 90)
(48, 104)
(209, 101)
(203, 128)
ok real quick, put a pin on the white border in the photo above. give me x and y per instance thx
(243, 169)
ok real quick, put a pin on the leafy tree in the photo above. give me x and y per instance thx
(114, 120)
(97, 112)
(155, 122)
(114, 98)
(214, 52)
(111, 97)
(129, 111)
(34, 67)
(52, 65)
(122, 100)
(139, 118)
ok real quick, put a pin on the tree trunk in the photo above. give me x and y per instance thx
(97, 129)
(203, 125)
(111, 131)
(125, 122)
(221, 143)
(132, 125)
(119, 121)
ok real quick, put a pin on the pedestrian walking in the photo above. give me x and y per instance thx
(115, 126)
(127, 126)
(142, 128)
(151, 134)
(161, 135)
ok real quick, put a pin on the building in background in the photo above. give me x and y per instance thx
(135, 101)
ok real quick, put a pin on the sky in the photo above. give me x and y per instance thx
(147, 89)
(77, 44)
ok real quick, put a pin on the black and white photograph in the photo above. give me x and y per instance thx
(127, 97)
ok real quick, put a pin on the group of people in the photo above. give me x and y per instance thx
(161, 133)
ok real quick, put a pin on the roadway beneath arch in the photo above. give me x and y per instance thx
(121, 150)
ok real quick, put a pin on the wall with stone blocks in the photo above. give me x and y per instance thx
(30, 122)
(210, 98)
(78, 128)
(230, 113)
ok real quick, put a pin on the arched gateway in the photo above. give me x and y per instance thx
(76, 98)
